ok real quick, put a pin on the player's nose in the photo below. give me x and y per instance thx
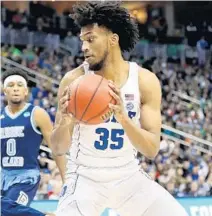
(15, 88)
(85, 48)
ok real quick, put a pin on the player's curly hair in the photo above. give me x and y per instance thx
(14, 71)
(110, 15)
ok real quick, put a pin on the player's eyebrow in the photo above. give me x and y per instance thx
(85, 34)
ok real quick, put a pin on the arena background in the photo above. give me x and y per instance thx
(41, 38)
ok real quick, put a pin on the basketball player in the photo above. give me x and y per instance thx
(23, 127)
(102, 169)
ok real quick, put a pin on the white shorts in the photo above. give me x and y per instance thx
(136, 195)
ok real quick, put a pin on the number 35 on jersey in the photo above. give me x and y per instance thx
(112, 139)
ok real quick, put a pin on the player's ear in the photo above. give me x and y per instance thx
(114, 39)
(5, 92)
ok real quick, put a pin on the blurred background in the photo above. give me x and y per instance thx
(175, 43)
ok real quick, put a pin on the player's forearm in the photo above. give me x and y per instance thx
(145, 142)
(61, 164)
(61, 137)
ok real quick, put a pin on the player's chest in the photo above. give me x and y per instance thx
(14, 128)
(131, 102)
(14, 131)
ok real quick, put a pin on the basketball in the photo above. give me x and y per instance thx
(90, 98)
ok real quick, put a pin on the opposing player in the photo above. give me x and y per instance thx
(23, 127)
(102, 168)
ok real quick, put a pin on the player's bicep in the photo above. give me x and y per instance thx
(151, 119)
(151, 107)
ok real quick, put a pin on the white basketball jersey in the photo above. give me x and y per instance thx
(104, 152)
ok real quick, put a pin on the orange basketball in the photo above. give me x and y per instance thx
(90, 98)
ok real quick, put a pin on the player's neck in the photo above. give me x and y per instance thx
(14, 108)
(114, 68)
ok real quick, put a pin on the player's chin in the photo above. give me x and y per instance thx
(90, 61)
(95, 66)
(16, 101)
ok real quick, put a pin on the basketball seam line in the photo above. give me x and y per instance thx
(98, 113)
(91, 99)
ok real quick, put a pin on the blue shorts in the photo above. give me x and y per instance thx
(11, 208)
(20, 186)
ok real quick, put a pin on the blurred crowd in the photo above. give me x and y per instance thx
(196, 82)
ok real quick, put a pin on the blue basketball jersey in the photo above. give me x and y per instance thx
(20, 139)
(11, 208)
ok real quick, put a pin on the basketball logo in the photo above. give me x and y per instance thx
(26, 114)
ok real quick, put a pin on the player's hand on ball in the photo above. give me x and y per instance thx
(118, 108)
(67, 117)
(65, 100)
(107, 115)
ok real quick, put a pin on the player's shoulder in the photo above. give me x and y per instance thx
(72, 75)
(149, 84)
(147, 78)
(39, 111)
(40, 116)
(146, 75)
(32, 107)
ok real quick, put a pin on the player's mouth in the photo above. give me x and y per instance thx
(87, 58)
(15, 95)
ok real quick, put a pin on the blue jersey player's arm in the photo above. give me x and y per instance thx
(12, 208)
(146, 139)
(43, 121)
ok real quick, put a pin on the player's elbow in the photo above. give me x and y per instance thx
(152, 155)
(58, 151)
(153, 152)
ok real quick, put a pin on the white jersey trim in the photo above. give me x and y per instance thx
(33, 121)
(16, 115)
